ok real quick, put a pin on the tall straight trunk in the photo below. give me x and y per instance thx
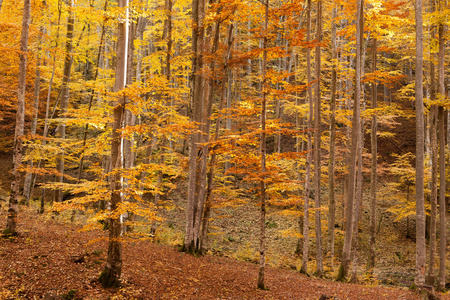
(304, 268)
(441, 116)
(11, 221)
(264, 87)
(373, 172)
(191, 244)
(212, 47)
(113, 268)
(212, 163)
(332, 159)
(356, 131)
(420, 203)
(65, 90)
(317, 135)
(37, 88)
(433, 196)
(91, 96)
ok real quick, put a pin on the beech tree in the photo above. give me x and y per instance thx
(420, 202)
(113, 268)
(356, 131)
(11, 221)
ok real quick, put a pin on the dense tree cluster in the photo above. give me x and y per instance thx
(118, 104)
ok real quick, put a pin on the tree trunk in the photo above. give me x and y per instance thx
(442, 179)
(37, 81)
(332, 159)
(113, 268)
(356, 131)
(304, 268)
(420, 203)
(317, 137)
(264, 87)
(65, 90)
(11, 221)
(373, 173)
(91, 97)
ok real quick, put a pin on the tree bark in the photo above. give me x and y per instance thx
(317, 137)
(195, 153)
(264, 87)
(332, 159)
(373, 173)
(113, 268)
(420, 203)
(304, 268)
(11, 221)
(442, 173)
(356, 131)
(65, 91)
(27, 190)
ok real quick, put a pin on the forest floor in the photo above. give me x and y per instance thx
(53, 259)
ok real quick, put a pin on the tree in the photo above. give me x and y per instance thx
(304, 268)
(191, 240)
(420, 202)
(65, 91)
(263, 149)
(441, 117)
(113, 268)
(373, 171)
(356, 131)
(317, 137)
(11, 221)
(332, 159)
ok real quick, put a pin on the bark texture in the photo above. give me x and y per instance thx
(113, 268)
(11, 221)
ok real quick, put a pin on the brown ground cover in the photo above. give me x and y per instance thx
(52, 259)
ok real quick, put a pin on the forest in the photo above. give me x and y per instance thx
(305, 135)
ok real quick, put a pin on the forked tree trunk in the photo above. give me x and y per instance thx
(264, 87)
(11, 221)
(191, 244)
(317, 137)
(356, 131)
(420, 203)
(113, 268)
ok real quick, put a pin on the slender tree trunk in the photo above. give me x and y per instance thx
(113, 268)
(91, 97)
(420, 203)
(304, 268)
(65, 91)
(373, 173)
(37, 88)
(442, 179)
(208, 201)
(11, 221)
(264, 87)
(317, 137)
(356, 131)
(332, 159)
(434, 179)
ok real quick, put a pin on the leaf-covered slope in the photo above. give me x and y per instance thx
(54, 258)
